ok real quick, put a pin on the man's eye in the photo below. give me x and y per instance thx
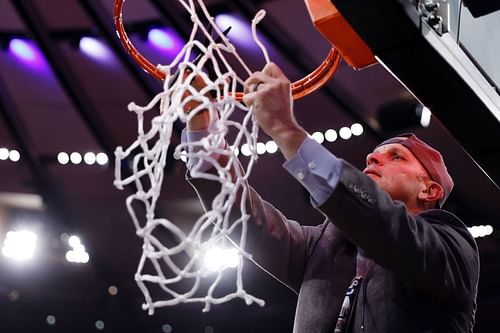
(397, 157)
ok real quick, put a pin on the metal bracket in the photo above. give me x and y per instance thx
(436, 13)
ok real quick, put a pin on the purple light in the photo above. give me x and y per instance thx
(160, 38)
(22, 49)
(241, 31)
(165, 39)
(27, 51)
(95, 49)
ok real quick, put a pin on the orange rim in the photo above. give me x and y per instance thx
(300, 88)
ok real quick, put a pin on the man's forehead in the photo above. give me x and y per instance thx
(392, 147)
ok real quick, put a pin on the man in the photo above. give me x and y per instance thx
(387, 259)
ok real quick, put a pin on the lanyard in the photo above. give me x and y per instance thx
(362, 265)
(349, 298)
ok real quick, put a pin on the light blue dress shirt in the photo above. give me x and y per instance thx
(316, 168)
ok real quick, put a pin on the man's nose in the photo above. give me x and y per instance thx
(373, 158)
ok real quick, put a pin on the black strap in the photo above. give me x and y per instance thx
(362, 265)
(349, 299)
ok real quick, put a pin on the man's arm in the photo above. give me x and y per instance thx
(424, 249)
(433, 251)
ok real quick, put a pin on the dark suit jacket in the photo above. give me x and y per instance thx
(423, 269)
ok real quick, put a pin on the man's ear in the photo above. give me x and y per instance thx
(431, 192)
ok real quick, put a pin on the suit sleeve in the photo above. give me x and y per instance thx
(277, 244)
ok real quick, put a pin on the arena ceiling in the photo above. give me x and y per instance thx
(56, 97)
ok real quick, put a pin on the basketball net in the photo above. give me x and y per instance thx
(188, 280)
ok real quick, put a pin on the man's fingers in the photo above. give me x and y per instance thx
(273, 70)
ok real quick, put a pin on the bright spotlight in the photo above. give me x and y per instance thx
(63, 158)
(331, 135)
(75, 158)
(357, 129)
(261, 148)
(96, 49)
(160, 38)
(217, 259)
(425, 117)
(271, 147)
(27, 51)
(4, 154)
(77, 254)
(22, 49)
(240, 29)
(245, 150)
(74, 241)
(101, 159)
(89, 158)
(318, 137)
(14, 155)
(19, 245)
(478, 231)
(345, 133)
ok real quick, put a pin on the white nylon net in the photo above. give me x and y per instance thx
(188, 280)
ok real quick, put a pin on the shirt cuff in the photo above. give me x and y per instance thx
(317, 169)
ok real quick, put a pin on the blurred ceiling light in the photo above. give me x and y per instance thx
(241, 31)
(331, 135)
(160, 38)
(271, 147)
(19, 245)
(22, 49)
(63, 158)
(425, 117)
(245, 150)
(75, 158)
(21, 200)
(27, 51)
(74, 241)
(89, 158)
(4, 154)
(357, 129)
(77, 254)
(261, 148)
(165, 39)
(318, 137)
(102, 158)
(14, 155)
(478, 231)
(345, 133)
(95, 49)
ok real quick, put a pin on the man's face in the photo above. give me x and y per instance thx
(397, 171)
